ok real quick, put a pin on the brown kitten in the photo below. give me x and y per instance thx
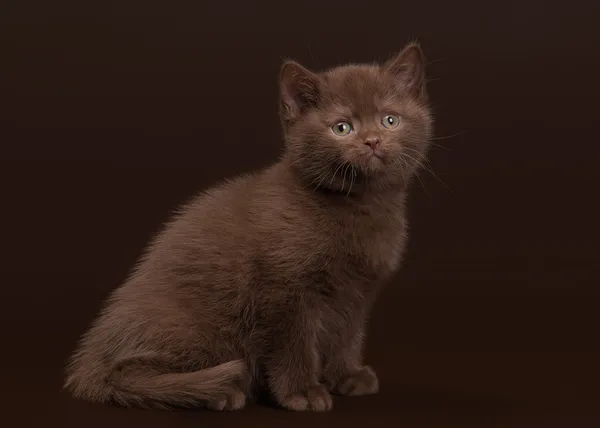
(265, 283)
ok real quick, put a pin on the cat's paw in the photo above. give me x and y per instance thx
(363, 382)
(316, 399)
(232, 400)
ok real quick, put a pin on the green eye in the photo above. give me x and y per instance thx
(341, 129)
(390, 121)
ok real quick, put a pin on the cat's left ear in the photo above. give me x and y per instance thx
(408, 67)
(299, 88)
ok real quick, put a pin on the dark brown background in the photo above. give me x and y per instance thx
(115, 112)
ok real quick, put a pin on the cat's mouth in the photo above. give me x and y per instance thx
(377, 154)
(375, 158)
(372, 162)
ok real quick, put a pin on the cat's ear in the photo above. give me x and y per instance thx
(299, 90)
(408, 67)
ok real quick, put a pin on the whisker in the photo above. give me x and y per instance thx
(416, 160)
(422, 184)
(446, 137)
(352, 175)
(425, 168)
(432, 144)
(405, 174)
(344, 173)
(323, 176)
(335, 172)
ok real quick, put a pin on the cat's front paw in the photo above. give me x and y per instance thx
(362, 382)
(316, 399)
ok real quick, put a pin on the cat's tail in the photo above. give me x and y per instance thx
(146, 382)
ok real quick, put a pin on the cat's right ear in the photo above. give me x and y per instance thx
(299, 90)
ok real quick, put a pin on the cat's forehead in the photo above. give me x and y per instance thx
(362, 88)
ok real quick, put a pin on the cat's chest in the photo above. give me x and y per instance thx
(378, 244)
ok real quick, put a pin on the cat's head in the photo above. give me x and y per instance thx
(362, 125)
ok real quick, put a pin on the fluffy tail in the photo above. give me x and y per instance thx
(145, 382)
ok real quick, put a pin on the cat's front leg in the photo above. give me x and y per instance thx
(344, 373)
(293, 368)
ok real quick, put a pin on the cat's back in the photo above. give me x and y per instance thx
(217, 236)
(207, 223)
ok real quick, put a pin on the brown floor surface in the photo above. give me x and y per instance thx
(112, 113)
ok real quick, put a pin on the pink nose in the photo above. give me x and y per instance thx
(372, 142)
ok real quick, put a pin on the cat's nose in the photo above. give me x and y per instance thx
(372, 142)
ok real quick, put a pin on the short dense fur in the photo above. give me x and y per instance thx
(265, 283)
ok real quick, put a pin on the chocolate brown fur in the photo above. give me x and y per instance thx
(265, 283)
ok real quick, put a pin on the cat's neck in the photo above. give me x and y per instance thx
(371, 201)
(360, 190)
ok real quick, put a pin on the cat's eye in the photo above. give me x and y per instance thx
(390, 121)
(341, 129)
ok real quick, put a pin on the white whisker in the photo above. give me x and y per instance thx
(344, 174)
(424, 167)
(322, 176)
(352, 176)
(335, 172)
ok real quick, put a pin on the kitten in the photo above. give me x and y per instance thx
(264, 284)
